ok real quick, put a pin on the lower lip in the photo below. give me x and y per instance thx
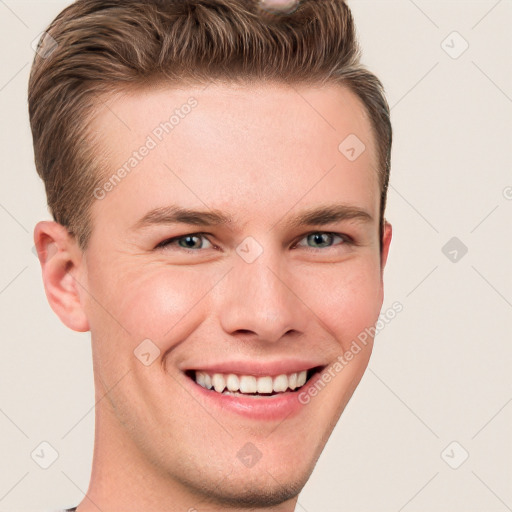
(271, 408)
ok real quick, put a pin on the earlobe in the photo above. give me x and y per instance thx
(60, 259)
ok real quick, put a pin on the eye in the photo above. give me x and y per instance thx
(196, 241)
(193, 241)
(322, 240)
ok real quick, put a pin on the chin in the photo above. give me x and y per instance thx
(257, 491)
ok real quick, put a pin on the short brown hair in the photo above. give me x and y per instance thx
(97, 47)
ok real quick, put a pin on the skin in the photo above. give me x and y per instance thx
(279, 5)
(262, 154)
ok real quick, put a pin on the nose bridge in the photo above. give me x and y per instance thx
(256, 297)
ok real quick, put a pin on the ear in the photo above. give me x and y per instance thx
(61, 263)
(386, 241)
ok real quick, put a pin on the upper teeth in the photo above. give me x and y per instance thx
(250, 384)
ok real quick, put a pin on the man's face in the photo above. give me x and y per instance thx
(257, 295)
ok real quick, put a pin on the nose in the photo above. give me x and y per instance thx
(258, 299)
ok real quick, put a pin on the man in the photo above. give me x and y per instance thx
(217, 171)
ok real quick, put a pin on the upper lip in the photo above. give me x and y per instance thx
(258, 369)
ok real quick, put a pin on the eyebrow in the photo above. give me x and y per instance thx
(323, 215)
(178, 215)
(317, 216)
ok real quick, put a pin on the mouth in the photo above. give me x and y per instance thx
(253, 386)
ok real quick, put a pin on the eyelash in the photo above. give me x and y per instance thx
(346, 240)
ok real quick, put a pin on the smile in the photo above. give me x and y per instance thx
(233, 384)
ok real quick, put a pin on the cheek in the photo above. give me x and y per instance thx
(163, 304)
(347, 300)
(131, 305)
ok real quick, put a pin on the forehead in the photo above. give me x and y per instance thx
(265, 146)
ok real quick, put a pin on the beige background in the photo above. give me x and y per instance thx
(441, 369)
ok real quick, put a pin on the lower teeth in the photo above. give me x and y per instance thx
(236, 393)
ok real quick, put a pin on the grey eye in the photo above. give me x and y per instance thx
(321, 240)
(191, 241)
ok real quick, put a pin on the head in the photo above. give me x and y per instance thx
(259, 135)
